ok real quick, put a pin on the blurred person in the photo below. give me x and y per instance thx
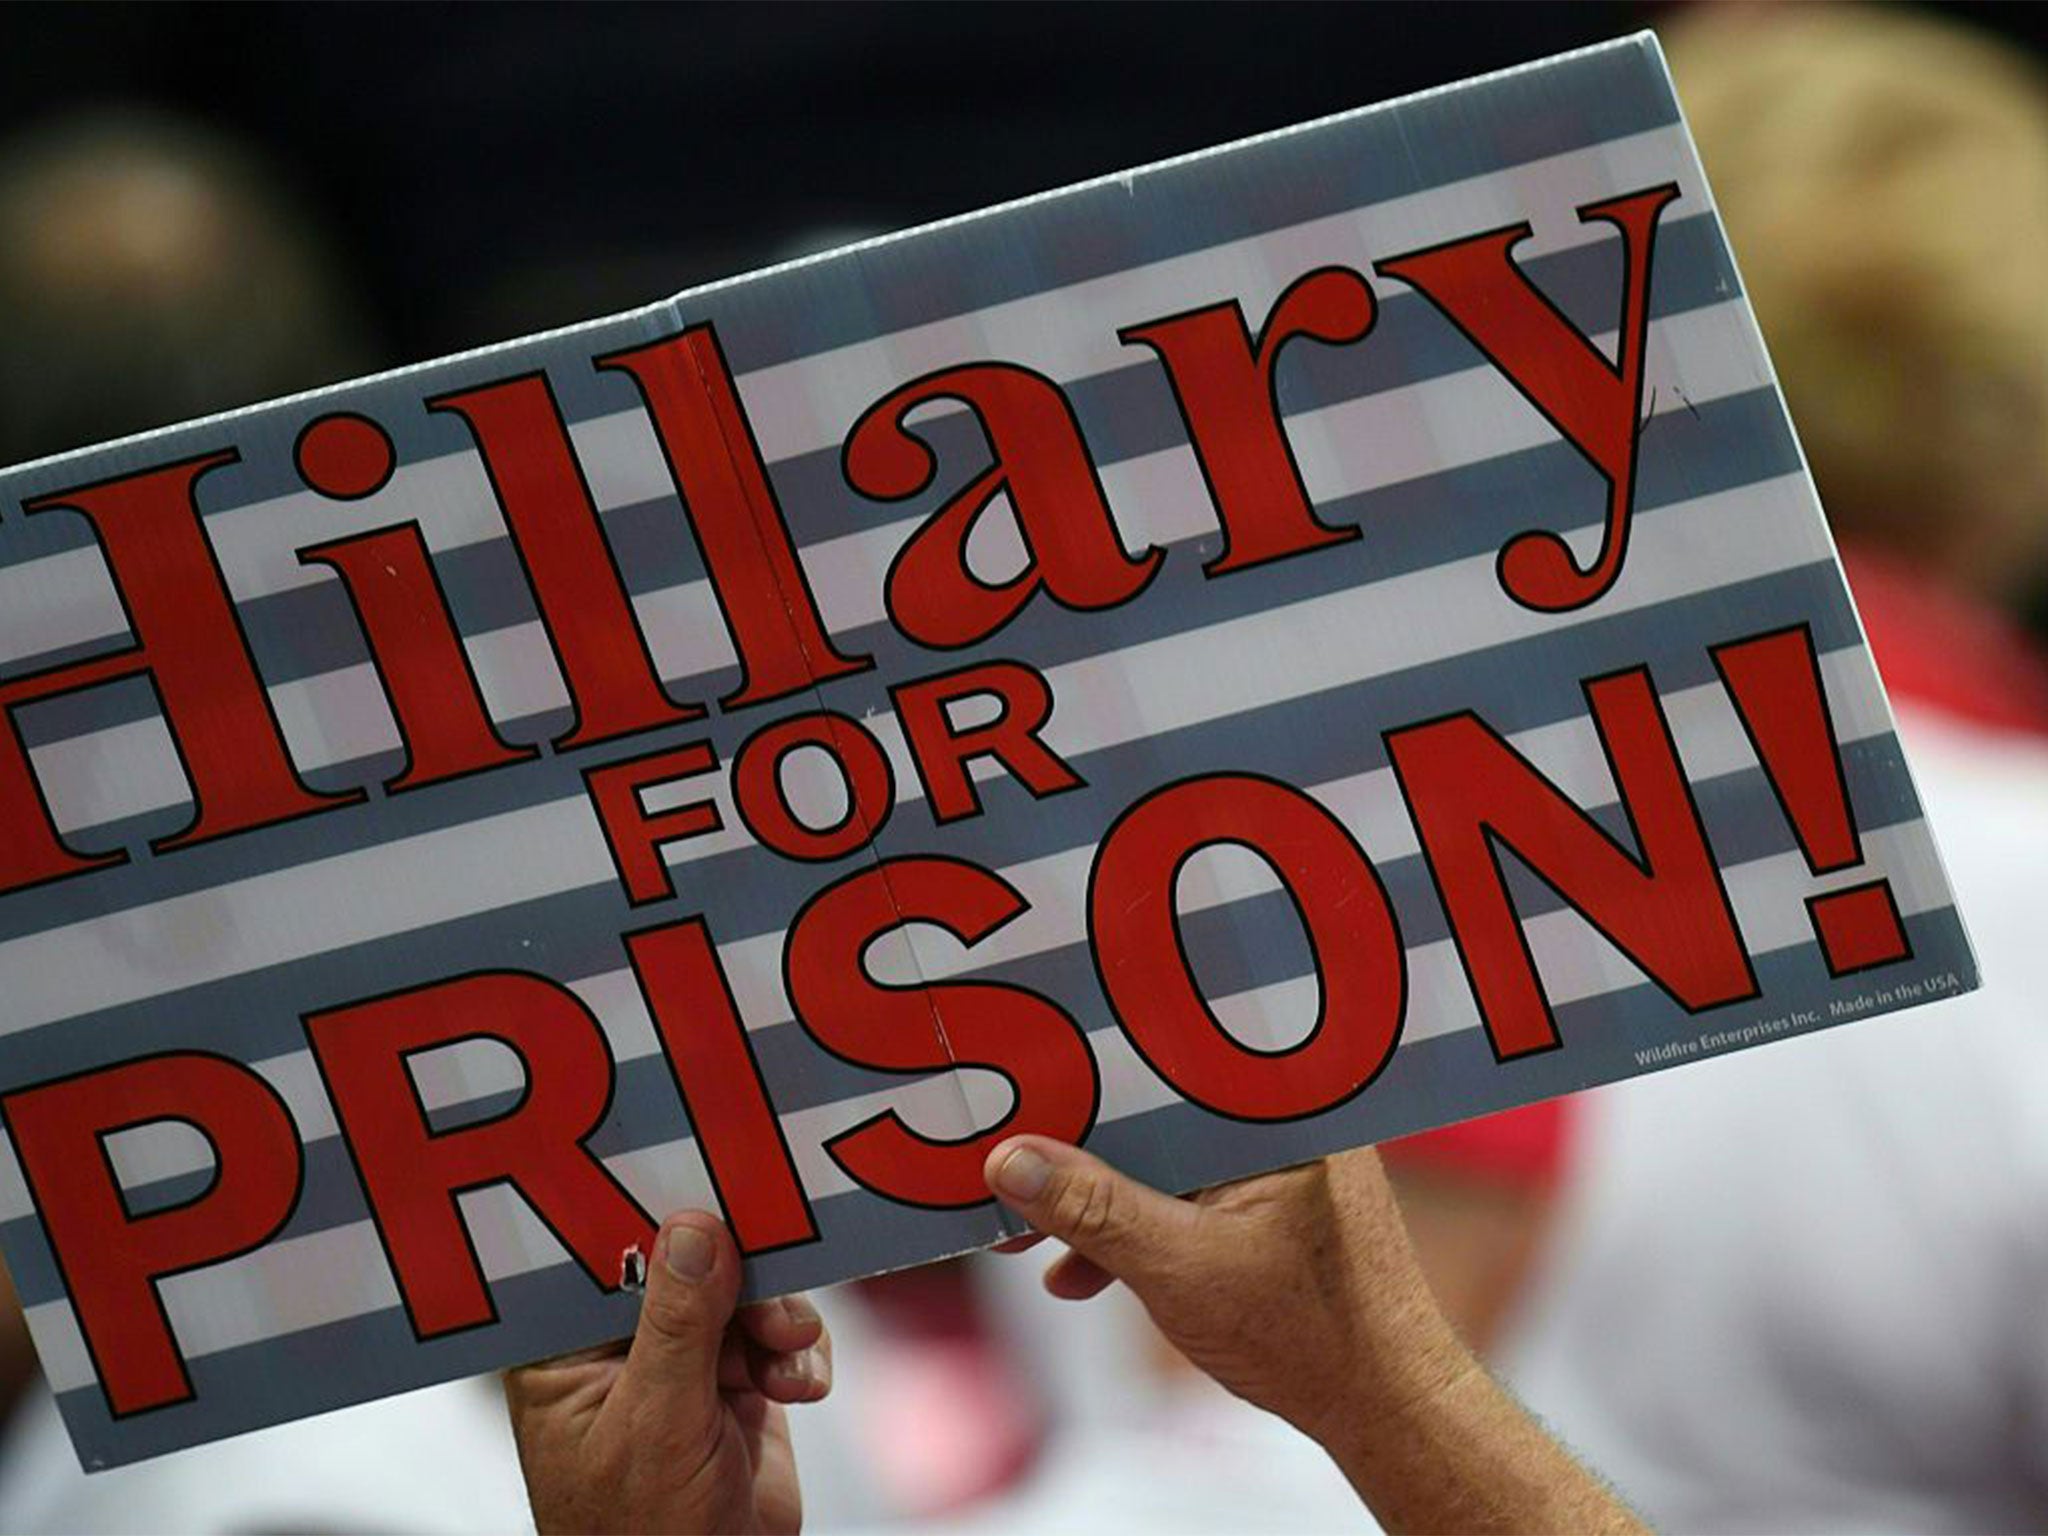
(686, 1429)
(1883, 174)
(1806, 1288)
(151, 271)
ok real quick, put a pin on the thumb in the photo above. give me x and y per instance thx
(1129, 1230)
(693, 1289)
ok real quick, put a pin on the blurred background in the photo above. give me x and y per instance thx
(255, 200)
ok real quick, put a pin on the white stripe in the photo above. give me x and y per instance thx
(330, 1276)
(1159, 498)
(1711, 743)
(809, 403)
(1143, 690)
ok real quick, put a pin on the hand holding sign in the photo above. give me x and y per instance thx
(1299, 1291)
(684, 1431)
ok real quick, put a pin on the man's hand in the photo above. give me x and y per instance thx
(1299, 1292)
(684, 1430)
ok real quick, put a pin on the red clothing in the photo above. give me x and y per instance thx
(1520, 1148)
(1937, 649)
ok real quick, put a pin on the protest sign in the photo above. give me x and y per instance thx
(1281, 649)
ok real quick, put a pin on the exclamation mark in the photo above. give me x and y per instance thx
(1774, 680)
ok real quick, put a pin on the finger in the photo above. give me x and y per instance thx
(1129, 1230)
(1074, 1277)
(1022, 1244)
(782, 1326)
(784, 1376)
(799, 1376)
(693, 1287)
(735, 1363)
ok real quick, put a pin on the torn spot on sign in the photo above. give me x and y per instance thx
(633, 1269)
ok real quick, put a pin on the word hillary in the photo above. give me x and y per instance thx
(188, 642)
(1468, 791)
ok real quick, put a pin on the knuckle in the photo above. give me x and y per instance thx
(521, 1396)
(1088, 1211)
(671, 1315)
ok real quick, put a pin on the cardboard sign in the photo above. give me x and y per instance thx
(1281, 649)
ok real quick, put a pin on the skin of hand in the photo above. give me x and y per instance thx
(684, 1429)
(1299, 1292)
(17, 1354)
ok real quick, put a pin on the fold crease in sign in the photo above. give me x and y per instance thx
(1261, 654)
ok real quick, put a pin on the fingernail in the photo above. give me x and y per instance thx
(688, 1253)
(1023, 1175)
(799, 1311)
(809, 1369)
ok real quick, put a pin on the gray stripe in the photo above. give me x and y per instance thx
(1083, 233)
(1250, 943)
(573, 933)
(1124, 414)
(1409, 527)
(1176, 1147)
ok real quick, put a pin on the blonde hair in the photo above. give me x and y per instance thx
(152, 269)
(1883, 175)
